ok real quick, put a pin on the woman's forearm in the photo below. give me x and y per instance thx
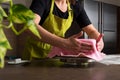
(46, 36)
(50, 38)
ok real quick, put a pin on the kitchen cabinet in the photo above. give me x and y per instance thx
(118, 29)
(110, 28)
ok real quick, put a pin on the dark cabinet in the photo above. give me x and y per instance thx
(109, 24)
(109, 17)
(104, 18)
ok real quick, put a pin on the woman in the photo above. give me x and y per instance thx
(53, 18)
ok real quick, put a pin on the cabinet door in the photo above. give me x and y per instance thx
(110, 42)
(109, 25)
(109, 17)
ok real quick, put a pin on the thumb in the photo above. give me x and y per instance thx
(78, 35)
(99, 37)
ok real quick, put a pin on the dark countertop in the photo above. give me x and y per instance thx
(36, 71)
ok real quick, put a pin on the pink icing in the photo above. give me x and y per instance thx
(94, 54)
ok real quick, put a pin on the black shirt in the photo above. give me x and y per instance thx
(42, 8)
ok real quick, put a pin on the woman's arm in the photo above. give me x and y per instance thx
(69, 43)
(46, 36)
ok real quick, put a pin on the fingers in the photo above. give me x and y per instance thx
(79, 46)
(100, 36)
(100, 46)
(99, 42)
(84, 48)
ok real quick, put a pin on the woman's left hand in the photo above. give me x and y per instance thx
(99, 43)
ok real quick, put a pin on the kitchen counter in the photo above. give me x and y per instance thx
(36, 71)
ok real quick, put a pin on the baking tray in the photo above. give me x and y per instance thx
(81, 61)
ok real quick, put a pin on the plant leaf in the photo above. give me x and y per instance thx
(1, 18)
(2, 55)
(3, 40)
(23, 15)
(2, 14)
(33, 29)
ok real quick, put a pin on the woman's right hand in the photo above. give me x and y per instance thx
(73, 44)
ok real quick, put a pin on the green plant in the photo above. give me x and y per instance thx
(18, 14)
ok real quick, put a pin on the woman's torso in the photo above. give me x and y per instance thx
(78, 11)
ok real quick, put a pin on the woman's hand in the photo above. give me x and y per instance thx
(73, 44)
(99, 43)
(93, 33)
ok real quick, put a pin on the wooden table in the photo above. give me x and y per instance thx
(33, 71)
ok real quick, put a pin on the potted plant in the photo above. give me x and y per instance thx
(17, 14)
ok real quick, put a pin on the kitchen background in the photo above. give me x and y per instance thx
(104, 14)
